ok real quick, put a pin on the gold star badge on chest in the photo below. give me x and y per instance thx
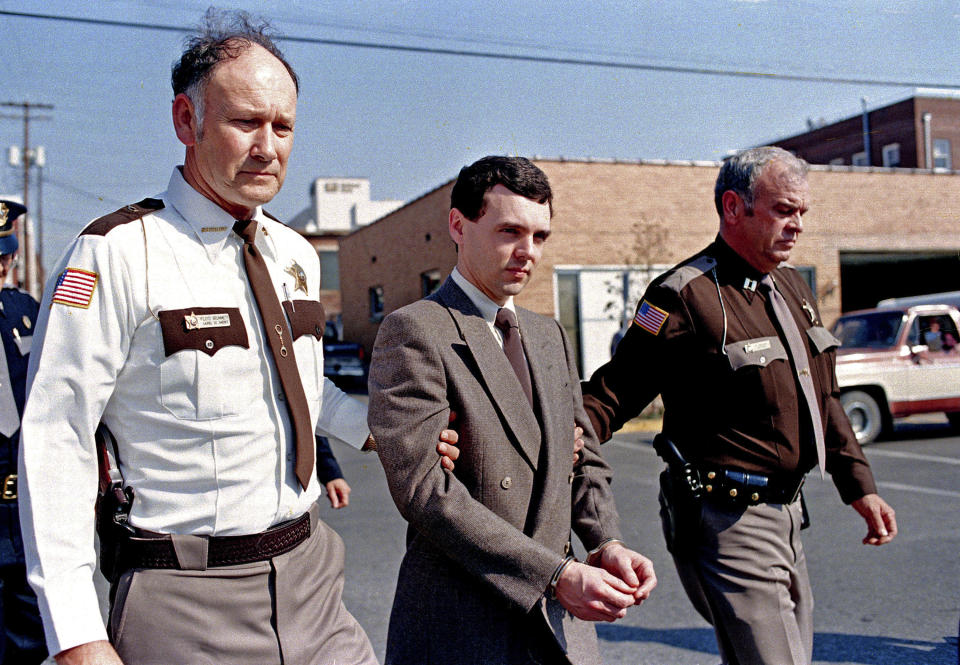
(299, 277)
(4, 210)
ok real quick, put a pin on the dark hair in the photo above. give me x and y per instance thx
(740, 173)
(517, 174)
(224, 35)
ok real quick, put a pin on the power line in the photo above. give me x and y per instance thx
(56, 182)
(493, 55)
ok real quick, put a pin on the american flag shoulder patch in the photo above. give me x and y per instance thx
(75, 288)
(650, 317)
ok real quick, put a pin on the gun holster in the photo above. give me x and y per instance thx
(681, 512)
(113, 507)
(681, 499)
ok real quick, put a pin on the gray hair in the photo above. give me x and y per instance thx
(223, 35)
(740, 173)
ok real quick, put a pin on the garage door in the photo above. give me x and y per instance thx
(867, 277)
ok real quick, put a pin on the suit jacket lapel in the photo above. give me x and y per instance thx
(551, 380)
(495, 371)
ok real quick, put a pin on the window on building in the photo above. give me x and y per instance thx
(568, 311)
(376, 303)
(809, 273)
(329, 269)
(836, 161)
(429, 282)
(941, 154)
(891, 155)
(859, 159)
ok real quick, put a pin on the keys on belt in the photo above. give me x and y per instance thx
(9, 492)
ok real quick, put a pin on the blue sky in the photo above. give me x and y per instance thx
(409, 121)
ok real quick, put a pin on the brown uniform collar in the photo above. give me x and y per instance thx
(732, 269)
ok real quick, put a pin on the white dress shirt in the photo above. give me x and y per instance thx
(488, 308)
(204, 438)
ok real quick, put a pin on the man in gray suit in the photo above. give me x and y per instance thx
(488, 553)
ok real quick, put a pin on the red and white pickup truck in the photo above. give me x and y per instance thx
(898, 360)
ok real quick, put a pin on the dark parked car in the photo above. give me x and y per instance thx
(343, 362)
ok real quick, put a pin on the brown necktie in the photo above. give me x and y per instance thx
(507, 323)
(281, 345)
(798, 351)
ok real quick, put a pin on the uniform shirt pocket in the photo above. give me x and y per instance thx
(201, 367)
(307, 319)
(822, 339)
(757, 352)
(752, 396)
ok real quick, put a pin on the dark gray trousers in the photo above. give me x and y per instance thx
(285, 611)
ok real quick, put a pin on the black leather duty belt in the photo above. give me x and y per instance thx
(155, 550)
(741, 488)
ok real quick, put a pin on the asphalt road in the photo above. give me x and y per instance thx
(894, 605)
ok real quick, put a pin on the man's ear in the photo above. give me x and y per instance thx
(184, 120)
(455, 223)
(732, 205)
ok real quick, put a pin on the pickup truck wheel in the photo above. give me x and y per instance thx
(865, 415)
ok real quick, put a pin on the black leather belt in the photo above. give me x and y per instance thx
(155, 550)
(742, 488)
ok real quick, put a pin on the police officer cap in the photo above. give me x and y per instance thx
(9, 211)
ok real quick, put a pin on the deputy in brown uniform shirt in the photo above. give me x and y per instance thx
(707, 338)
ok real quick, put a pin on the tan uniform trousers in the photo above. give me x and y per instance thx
(287, 610)
(748, 578)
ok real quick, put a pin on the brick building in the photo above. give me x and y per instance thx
(876, 233)
(337, 207)
(921, 131)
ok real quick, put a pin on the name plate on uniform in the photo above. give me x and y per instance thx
(756, 346)
(200, 321)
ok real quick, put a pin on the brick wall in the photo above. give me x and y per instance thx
(600, 209)
(392, 253)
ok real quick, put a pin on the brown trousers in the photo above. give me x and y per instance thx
(285, 611)
(748, 578)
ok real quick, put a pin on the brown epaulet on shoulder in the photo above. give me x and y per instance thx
(130, 213)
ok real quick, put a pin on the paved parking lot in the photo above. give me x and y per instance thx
(895, 605)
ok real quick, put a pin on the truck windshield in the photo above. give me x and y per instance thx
(876, 329)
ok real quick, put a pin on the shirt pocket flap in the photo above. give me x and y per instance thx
(822, 339)
(206, 329)
(757, 352)
(306, 317)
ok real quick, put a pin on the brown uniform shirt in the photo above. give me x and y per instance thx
(705, 338)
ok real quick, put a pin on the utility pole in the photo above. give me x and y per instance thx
(29, 282)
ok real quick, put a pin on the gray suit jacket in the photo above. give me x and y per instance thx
(485, 539)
